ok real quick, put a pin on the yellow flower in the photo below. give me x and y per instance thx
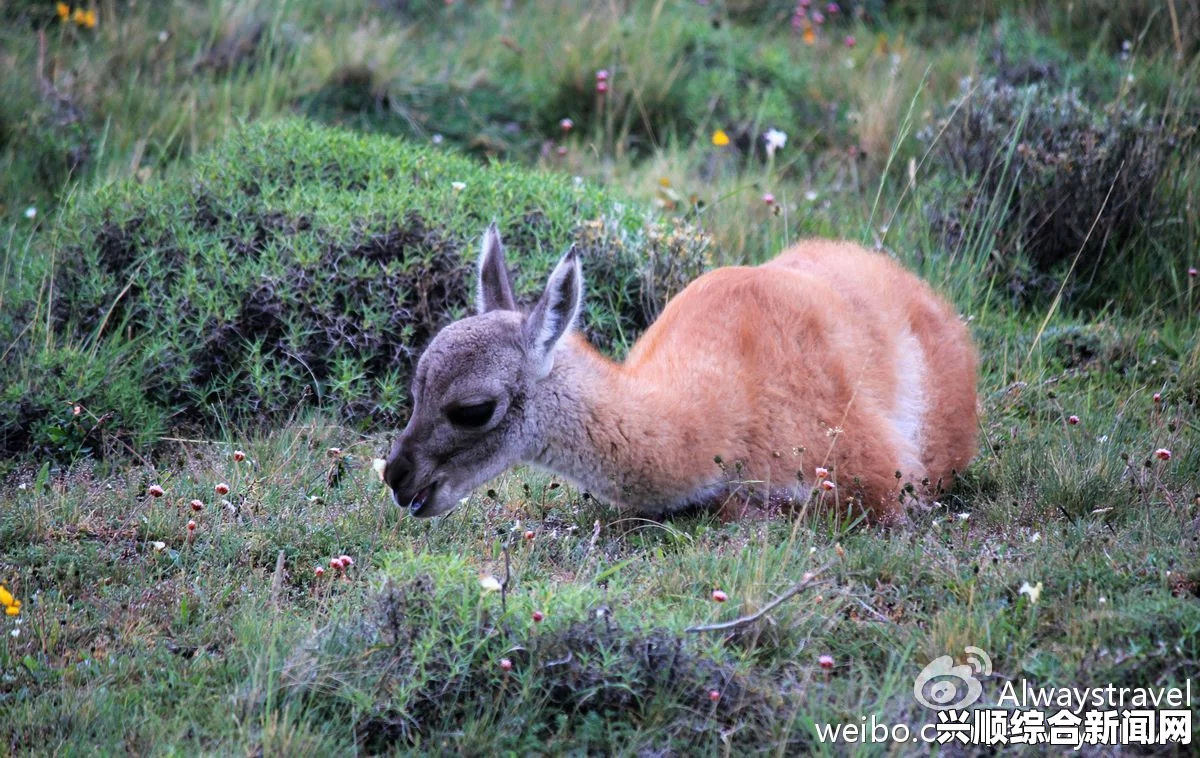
(664, 182)
(12, 610)
(77, 16)
(63, 10)
(810, 36)
(720, 138)
(6, 597)
(89, 19)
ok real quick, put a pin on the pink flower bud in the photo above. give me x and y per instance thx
(1162, 454)
(155, 490)
(222, 489)
(719, 596)
(825, 662)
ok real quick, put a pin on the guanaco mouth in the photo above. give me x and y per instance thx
(422, 500)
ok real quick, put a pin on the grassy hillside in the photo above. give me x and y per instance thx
(229, 228)
(291, 266)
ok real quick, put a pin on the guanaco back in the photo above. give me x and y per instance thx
(829, 370)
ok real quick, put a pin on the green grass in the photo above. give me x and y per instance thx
(177, 161)
(214, 651)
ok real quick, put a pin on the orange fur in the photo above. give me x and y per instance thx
(782, 368)
(751, 380)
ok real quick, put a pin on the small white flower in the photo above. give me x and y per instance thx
(964, 516)
(379, 465)
(31, 213)
(22, 486)
(458, 186)
(1130, 78)
(158, 546)
(1103, 600)
(437, 139)
(490, 583)
(775, 139)
(15, 633)
(811, 196)
(1034, 591)
(1035, 537)
(164, 35)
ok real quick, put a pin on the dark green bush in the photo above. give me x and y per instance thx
(294, 265)
(427, 660)
(1052, 174)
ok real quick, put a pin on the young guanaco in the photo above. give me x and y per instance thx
(829, 370)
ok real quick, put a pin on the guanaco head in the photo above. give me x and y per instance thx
(473, 413)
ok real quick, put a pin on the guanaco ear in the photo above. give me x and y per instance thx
(495, 289)
(555, 312)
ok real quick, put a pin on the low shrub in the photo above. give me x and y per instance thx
(1052, 175)
(296, 265)
(436, 653)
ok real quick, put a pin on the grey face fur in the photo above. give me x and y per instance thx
(475, 388)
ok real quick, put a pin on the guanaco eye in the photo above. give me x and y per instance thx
(471, 416)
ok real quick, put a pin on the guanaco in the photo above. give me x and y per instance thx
(828, 373)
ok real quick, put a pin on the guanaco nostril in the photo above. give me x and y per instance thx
(395, 473)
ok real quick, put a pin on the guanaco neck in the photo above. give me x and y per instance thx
(613, 434)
